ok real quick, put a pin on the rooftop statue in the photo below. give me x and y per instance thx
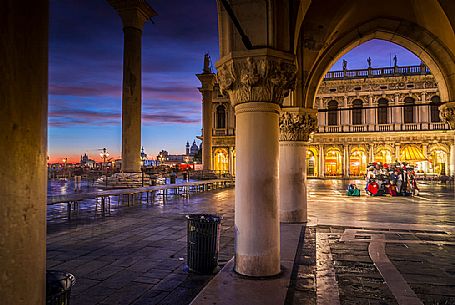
(207, 64)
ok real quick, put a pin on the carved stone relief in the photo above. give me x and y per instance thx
(447, 113)
(257, 79)
(297, 126)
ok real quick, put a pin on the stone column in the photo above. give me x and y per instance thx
(23, 142)
(370, 114)
(397, 152)
(256, 82)
(134, 14)
(231, 161)
(425, 154)
(397, 114)
(346, 160)
(296, 125)
(345, 122)
(371, 153)
(425, 118)
(452, 160)
(321, 161)
(207, 79)
(447, 114)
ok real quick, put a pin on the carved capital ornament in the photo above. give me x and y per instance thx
(447, 113)
(297, 126)
(258, 78)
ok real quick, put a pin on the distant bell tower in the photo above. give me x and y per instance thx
(187, 148)
(207, 79)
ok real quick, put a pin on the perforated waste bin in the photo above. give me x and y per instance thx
(203, 242)
(58, 287)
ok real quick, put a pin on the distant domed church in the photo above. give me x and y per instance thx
(193, 150)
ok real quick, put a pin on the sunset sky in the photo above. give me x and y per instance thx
(85, 75)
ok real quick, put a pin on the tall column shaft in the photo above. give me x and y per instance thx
(371, 152)
(447, 114)
(257, 82)
(397, 152)
(131, 100)
(231, 160)
(452, 160)
(207, 125)
(321, 161)
(293, 190)
(23, 139)
(256, 191)
(134, 14)
(346, 161)
(296, 125)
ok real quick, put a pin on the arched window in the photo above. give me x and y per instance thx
(220, 117)
(383, 105)
(332, 113)
(408, 110)
(434, 109)
(357, 112)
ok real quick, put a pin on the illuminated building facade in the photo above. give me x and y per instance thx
(371, 115)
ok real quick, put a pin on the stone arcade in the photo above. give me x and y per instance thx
(268, 47)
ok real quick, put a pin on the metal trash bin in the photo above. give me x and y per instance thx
(58, 287)
(203, 242)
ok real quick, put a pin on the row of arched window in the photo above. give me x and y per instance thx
(383, 109)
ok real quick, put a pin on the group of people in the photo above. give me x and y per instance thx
(397, 179)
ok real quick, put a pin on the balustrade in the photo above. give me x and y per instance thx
(378, 72)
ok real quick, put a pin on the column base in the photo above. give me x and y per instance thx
(296, 216)
(257, 266)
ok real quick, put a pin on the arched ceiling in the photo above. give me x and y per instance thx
(330, 28)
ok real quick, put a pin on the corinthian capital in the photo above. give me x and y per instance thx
(134, 13)
(447, 113)
(296, 124)
(257, 76)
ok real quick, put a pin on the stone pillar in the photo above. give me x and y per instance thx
(346, 160)
(23, 142)
(452, 160)
(256, 82)
(425, 154)
(397, 152)
(425, 118)
(321, 161)
(134, 14)
(397, 114)
(296, 125)
(345, 122)
(371, 115)
(371, 153)
(447, 114)
(233, 161)
(207, 79)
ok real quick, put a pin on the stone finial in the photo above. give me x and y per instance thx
(257, 78)
(134, 13)
(297, 126)
(447, 113)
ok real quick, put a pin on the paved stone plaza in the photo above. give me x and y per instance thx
(138, 255)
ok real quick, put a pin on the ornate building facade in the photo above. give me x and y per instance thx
(371, 115)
